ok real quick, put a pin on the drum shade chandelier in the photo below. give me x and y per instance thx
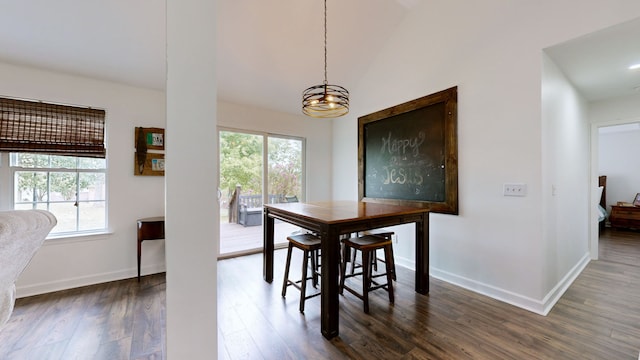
(326, 100)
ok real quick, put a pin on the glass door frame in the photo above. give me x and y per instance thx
(265, 173)
(265, 169)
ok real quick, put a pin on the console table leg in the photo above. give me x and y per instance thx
(139, 257)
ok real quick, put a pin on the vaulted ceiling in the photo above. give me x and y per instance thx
(268, 52)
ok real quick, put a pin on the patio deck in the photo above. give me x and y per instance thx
(236, 239)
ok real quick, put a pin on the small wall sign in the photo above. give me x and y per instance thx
(149, 155)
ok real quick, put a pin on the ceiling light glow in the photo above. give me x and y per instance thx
(634, 66)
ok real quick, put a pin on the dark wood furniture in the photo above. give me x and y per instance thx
(385, 233)
(367, 245)
(149, 229)
(310, 245)
(329, 220)
(625, 217)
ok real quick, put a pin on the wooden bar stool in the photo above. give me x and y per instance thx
(310, 245)
(367, 245)
(385, 233)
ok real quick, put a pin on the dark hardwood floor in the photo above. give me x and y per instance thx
(115, 320)
(597, 318)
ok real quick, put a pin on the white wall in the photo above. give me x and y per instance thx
(66, 263)
(492, 52)
(615, 151)
(317, 133)
(615, 111)
(565, 181)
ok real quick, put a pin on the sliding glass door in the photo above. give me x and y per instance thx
(285, 168)
(256, 168)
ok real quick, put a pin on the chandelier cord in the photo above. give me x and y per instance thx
(325, 42)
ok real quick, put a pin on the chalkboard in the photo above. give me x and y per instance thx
(408, 153)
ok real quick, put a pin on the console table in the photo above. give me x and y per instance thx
(625, 217)
(149, 229)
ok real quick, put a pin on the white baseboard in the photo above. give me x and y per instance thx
(556, 293)
(541, 307)
(491, 291)
(404, 262)
(70, 283)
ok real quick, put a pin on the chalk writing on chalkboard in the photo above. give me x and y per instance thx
(408, 153)
(404, 160)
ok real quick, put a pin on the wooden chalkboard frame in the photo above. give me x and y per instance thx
(449, 98)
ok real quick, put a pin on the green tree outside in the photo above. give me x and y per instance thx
(285, 167)
(241, 164)
(63, 183)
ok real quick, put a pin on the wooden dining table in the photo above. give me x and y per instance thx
(330, 220)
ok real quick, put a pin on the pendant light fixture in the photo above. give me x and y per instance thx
(325, 101)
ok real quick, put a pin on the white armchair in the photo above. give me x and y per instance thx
(22, 232)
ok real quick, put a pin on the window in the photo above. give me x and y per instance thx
(57, 162)
(72, 188)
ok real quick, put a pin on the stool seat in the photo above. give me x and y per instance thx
(310, 246)
(305, 241)
(367, 242)
(381, 232)
(368, 245)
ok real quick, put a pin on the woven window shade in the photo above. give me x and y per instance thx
(29, 126)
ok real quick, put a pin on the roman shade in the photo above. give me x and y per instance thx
(37, 127)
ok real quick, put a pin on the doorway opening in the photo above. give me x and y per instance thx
(613, 147)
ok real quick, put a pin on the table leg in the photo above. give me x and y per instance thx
(139, 256)
(329, 312)
(267, 261)
(422, 255)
